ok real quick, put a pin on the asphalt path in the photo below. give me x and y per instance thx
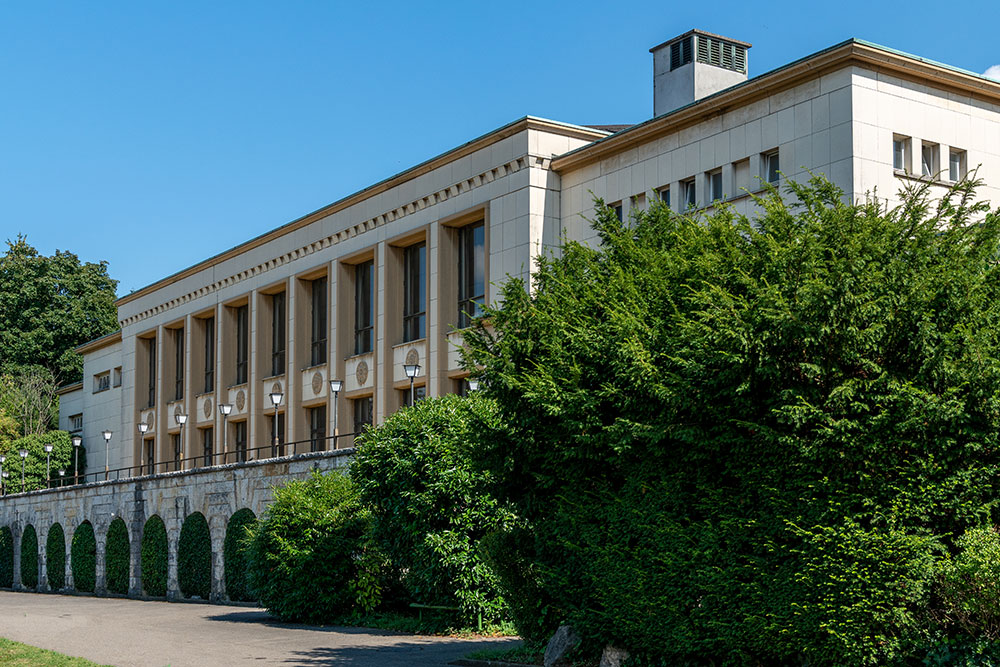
(127, 633)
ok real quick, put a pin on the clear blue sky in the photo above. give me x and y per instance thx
(156, 134)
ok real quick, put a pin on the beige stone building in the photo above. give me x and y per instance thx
(390, 275)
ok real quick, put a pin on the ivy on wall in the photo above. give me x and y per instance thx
(116, 557)
(83, 558)
(154, 557)
(6, 558)
(234, 556)
(194, 557)
(55, 557)
(29, 558)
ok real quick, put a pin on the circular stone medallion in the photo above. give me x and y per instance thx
(241, 400)
(276, 388)
(317, 383)
(150, 418)
(361, 372)
(207, 408)
(412, 358)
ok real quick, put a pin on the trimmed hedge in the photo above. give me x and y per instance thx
(154, 557)
(83, 558)
(235, 556)
(116, 557)
(6, 558)
(194, 558)
(29, 558)
(55, 557)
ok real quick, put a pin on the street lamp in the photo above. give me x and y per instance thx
(335, 386)
(107, 452)
(77, 441)
(181, 419)
(224, 410)
(143, 427)
(411, 370)
(3, 459)
(62, 476)
(276, 397)
(48, 459)
(24, 454)
(473, 384)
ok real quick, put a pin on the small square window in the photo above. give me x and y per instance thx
(102, 381)
(956, 165)
(619, 211)
(664, 194)
(76, 423)
(929, 160)
(769, 167)
(900, 152)
(715, 185)
(690, 193)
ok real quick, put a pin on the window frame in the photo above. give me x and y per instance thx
(209, 354)
(930, 160)
(242, 344)
(770, 166)
(279, 335)
(471, 272)
(714, 182)
(317, 428)
(151, 360)
(178, 336)
(319, 310)
(363, 409)
(957, 174)
(364, 308)
(415, 292)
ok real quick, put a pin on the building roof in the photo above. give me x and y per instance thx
(851, 52)
(98, 343)
(700, 32)
(69, 388)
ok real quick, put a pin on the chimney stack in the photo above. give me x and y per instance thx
(695, 65)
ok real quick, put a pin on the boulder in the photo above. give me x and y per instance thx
(560, 645)
(613, 657)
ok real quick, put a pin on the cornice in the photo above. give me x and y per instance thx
(98, 343)
(68, 388)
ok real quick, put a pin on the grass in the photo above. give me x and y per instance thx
(14, 654)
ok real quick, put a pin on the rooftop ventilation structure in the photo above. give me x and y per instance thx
(695, 65)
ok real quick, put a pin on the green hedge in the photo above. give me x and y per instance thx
(83, 558)
(154, 557)
(6, 558)
(116, 557)
(55, 557)
(194, 558)
(34, 464)
(29, 558)
(235, 557)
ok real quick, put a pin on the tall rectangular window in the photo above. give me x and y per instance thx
(770, 165)
(362, 413)
(665, 195)
(715, 185)
(471, 273)
(317, 428)
(956, 165)
(242, 343)
(414, 292)
(178, 364)
(277, 434)
(364, 307)
(278, 334)
(151, 357)
(150, 456)
(207, 445)
(175, 441)
(240, 440)
(929, 160)
(419, 394)
(209, 354)
(319, 321)
(690, 193)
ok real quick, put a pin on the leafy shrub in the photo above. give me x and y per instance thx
(117, 557)
(747, 441)
(430, 505)
(194, 557)
(55, 557)
(34, 464)
(154, 557)
(83, 558)
(235, 558)
(6, 558)
(307, 556)
(968, 586)
(29, 558)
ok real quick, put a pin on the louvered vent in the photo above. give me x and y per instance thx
(680, 53)
(722, 54)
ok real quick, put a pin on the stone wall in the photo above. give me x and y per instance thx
(216, 492)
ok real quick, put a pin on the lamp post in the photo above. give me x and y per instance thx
(24, 455)
(336, 386)
(276, 397)
(411, 370)
(143, 427)
(473, 384)
(3, 491)
(77, 441)
(224, 410)
(62, 476)
(181, 419)
(4, 478)
(107, 452)
(48, 460)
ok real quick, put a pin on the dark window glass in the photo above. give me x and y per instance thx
(364, 307)
(278, 334)
(317, 429)
(178, 364)
(278, 436)
(207, 445)
(175, 440)
(210, 354)
(242, 344)
(150, 446)
(151, 356)
(240, 432)
(419, 394)
(362, 413)
(319, 321)
(471, 273)
(415, 292)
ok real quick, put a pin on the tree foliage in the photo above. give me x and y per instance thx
(6, 557)
(153, 557)
(751, 441)
(29, 558)
(55, 557)
(49, 305)
(61, 457)
(194, 557)
(83, 558)
(235, 556)
(117, 557)
(29, 397)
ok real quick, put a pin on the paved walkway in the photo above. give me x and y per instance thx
(128, 633)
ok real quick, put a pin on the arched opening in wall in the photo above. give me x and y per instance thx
(235, 557)
(6, 558)
(154, 557)
(29, 558)
(194, 558)
(116, 557)
(55, 557)
(83, 558)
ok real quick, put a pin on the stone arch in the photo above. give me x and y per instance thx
(29, 558)
(83, 558)
(117, 557)
(55, 557)
(234, 556)
(153, 557)
(194, 558)
(6, 557)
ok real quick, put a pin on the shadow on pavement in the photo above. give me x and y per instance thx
(403, 654)
(264, 618)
